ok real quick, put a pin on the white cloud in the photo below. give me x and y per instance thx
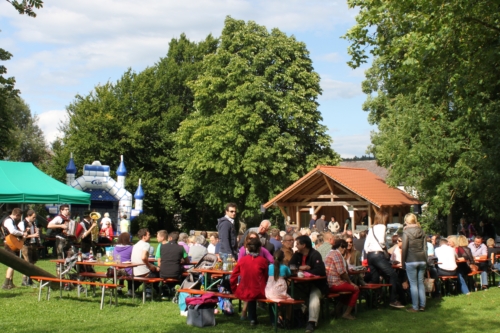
(333, 89)
(330, 57)
(351, 145)
(49, 123)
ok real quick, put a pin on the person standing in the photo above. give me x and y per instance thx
(374, 249)
(333, 226)
(312, 222)
(321, 224)
(30, 246)
(227, 232)
(9, 227)
(414, 260)
(124, 224)
(85, 228)
(59, 224)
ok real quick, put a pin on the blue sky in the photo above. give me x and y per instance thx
(72, 46)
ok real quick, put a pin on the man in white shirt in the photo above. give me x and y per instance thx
(140, 255)
(214, 246)
(60, 226)
(446, 257)
(479, 249)
(9, 227)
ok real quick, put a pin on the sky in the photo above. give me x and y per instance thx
(73, 46)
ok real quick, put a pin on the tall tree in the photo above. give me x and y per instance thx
(7, 89)
(28, 142)
(136, 117)
(257, 127)
(434, 92)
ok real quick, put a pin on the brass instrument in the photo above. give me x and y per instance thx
(95, 231)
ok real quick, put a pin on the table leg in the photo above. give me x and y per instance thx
(60, 277)
(115, 281)
(292, 289)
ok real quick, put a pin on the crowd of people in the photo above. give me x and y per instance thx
(266, 257)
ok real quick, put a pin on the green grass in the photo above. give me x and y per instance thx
(21, 312)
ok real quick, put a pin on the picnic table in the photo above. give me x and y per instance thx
(208, 273)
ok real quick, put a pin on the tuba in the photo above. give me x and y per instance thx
(95, 231)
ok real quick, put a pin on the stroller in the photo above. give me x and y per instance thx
(71, 271)
(194, 280)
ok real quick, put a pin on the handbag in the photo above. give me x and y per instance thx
(384, 250)
(429, 284)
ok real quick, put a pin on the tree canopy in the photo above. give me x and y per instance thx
(26, 6)
(256, 127)
(433, 91)
(136, 117)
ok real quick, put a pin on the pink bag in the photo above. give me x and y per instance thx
(205, 299)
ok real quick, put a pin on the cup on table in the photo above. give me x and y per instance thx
(300, 274)
(99, 257)
(118, 258)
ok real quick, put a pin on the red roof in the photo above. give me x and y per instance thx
(362, 182)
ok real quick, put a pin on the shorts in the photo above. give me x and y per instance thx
(30, 253)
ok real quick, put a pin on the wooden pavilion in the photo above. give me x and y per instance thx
(343, 193)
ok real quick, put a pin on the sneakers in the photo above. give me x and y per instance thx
(397, 304)
(310, 327)
(411, 310)
(421, 309)
(184, 313)
(7, 284)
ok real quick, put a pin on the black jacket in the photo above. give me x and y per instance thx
(227, 236)
(414, 245)
(317, 265)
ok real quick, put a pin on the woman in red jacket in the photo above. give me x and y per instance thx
(252, 272)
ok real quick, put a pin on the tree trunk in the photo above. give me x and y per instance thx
(449, 224)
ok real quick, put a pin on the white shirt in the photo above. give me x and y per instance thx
(137, 252)
(13, 229)
(371, 244)
(446, 256)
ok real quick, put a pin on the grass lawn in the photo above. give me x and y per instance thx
(21, 312)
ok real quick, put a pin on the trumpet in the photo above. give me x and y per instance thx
(95, 231)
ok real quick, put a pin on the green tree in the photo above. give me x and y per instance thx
(28, 142)
(7, 89)
(26, 6)
(136, 117)
(434, 90)
(257, 127)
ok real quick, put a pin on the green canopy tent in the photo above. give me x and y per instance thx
(22, 182)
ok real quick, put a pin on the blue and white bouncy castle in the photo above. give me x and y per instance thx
(96, 180)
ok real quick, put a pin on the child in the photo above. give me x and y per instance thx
(276, 288)
(252, 271)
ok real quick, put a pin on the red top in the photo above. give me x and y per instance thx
(253, 273)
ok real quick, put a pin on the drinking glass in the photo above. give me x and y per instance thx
(99, 257)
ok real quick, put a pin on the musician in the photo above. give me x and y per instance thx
(9, 226)
(60, 226)
(31, 241)
(85, 228)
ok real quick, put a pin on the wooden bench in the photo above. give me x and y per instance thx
(274, 306)
(148, 283)
(48, 280)
(445, 286)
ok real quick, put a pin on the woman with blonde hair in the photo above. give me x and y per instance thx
(463, 269)
(414, 260)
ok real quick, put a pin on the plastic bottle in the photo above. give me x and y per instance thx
(79, 257)
(224, 264)
(230, 262)
(91, 255)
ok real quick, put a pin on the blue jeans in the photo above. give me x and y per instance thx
(415, 271)
(463, 283)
